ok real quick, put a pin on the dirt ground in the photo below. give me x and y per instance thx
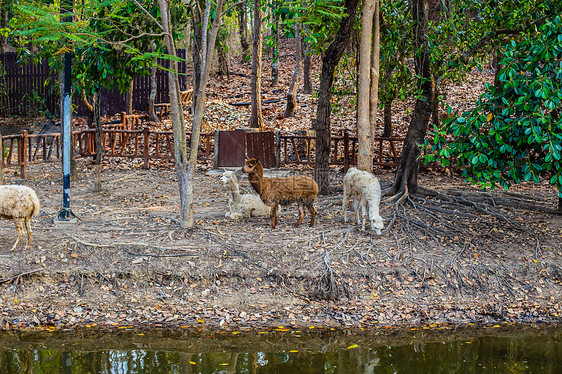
(127, 262)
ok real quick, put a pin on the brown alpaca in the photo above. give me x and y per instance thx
(300, 189)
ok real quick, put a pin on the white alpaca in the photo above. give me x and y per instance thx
(20, 204)
(241, 205)
(365, 190)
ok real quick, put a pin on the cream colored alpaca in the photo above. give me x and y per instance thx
(241, 205)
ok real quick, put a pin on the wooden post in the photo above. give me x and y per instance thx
(216, 155)
(146, 148)
(345, 151)
(23, 154)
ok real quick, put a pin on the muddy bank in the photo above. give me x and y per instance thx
(126, 262)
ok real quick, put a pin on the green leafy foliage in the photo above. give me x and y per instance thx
(110, 40)
(515, 131)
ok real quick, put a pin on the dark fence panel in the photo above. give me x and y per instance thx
(261, 145)
(29, 88)
(232, 148)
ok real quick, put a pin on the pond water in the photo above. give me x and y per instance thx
(436, 350)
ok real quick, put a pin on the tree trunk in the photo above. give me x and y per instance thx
(197, 40)
(129, 99)
(223, 62)
(256, 118)
(99, 133)
(306, 52)
(185, 168)
(406, 178)
(180, 142)
(375, 73)
(243, 29)
(275, 54)
(322, 122)
(387, 113)
(560, 204)
(364, 134)
(90, 111)
(3, 25)
(292, 94)
(152, 96)
(307, 82)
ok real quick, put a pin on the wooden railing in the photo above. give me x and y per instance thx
(24, 149)
(299, 149)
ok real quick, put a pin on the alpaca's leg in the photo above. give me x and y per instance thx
(313, 212)
(356, 209)
(301, 214)
(273, 215)
(363, 214)
(344, 205)
(19, 229)
(28, 229)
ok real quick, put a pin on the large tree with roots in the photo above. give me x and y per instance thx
(406, 177)
(330, 60)
(469, 29)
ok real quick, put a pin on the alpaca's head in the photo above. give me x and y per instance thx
(228, 178)
(253, 165)
(377, 224)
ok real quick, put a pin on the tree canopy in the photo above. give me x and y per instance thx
(515, 131)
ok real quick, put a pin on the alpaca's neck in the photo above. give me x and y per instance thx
(257, 181)
(234, 191)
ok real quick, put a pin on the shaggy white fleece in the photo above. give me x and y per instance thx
(20, 204)
(241, 205)
(365, 190)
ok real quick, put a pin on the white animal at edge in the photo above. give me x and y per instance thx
(20, 204)
(365, 190)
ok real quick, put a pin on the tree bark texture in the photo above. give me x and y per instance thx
(207, 50)
(197, 39)
(3, 25)
(405, 180)
(256, 117)
(180, 142)
(364, 135)
(375, 73)
(243, 29)
(99, 133)
(129, 99)
(322, 122)
(387, 118)
(307, 82)
(152, 96)
(275, 55)
(223, 62)
(292, 94)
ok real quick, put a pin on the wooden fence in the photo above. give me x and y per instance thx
(26, 87)
(299, 149)
(21, 150)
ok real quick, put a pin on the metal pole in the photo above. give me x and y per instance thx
(65, 214)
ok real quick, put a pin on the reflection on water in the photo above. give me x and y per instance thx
(524, 350)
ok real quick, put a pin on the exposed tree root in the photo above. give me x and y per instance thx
(455, 221)
(328, 286)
